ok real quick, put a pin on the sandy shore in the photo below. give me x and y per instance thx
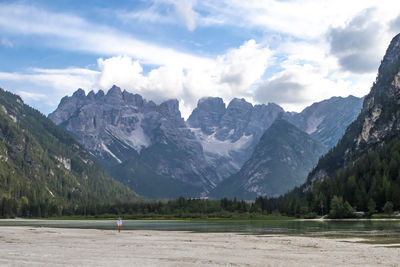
(27, 246)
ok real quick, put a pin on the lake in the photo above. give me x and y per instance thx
(356, 228)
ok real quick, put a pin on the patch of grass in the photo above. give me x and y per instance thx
(381, 241)
(385, 216)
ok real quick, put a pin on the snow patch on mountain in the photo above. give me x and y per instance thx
(222, 148)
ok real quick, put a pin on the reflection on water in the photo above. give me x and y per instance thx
(295, 227)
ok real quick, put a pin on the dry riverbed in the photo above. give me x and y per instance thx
(29, 246)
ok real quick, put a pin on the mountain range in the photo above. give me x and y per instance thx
(158, 154)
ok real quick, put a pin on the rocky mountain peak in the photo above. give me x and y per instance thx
(262, 117)
(100, 94)
(236, 118)
(114, 91)
(80, 93)
(132, 99)
(114, 96)
(239, 107)
(326, 120)
(274, 106)
(91, 95)
(68, 105)
(239, 103)
(381, 109)
(170, 109)
(391, 57)
(207, 115)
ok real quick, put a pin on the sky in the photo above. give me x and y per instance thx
(290, 52)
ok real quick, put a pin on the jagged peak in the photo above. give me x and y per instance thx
(239, 102)
(91, 95)
(171, 104)
(79, 93)
(391, 58)
(115, 91)
(170, 109)
(210, 99)
(330, 102)
(272, 105)
(131, 98)
(100, 93)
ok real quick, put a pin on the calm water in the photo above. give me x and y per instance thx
(318, 228)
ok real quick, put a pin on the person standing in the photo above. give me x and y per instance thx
(119, 223)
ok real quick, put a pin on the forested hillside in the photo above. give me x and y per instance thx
(43, 170)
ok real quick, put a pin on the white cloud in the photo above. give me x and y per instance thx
(159, 84)
(359, 45)
(231, 75)
(240, 68)
(343, 60)
(363, 27)
(299, 86)
(184, 9)
(317, 55)
(150, 15)
(395, 25)
(29, 96)
(63, 81)
(43, 88)
(181, 11)
(74, 33)
(305, 19)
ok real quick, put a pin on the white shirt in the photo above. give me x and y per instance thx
(119, 222)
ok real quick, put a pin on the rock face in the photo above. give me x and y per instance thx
(379, 119)
(381, 114)
(145, 145)
(327, 120)
(121, 128)
(281, 161)
(229, 135)
(208, 114)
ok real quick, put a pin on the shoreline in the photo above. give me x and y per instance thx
(199, 220)
(27, 246)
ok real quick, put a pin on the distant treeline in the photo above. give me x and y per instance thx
(178, 208)
(294, 204)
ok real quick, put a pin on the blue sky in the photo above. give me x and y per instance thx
(289, 52)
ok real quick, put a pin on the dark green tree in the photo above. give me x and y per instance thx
(340, 208)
